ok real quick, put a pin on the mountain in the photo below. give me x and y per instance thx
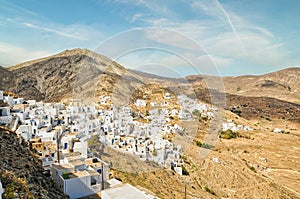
(283, 84)
(60, 76)
(52, 78)
(81, 73)
(75, 73)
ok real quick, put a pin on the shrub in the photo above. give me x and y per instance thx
(184, 171)
(198, 143)
(210, 191)
(206, 146)
(66, 175)
(228, 134)
(196, 112)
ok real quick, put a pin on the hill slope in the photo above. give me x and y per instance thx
(81, 73)
(283, 84)
(6, 78)
(17, 161)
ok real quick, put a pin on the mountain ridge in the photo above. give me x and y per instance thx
(61, 72)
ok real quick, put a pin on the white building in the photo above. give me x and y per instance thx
(1, 190)
(5, 117)
(25, 131)
(167, 96)
(4, 111)
(79, 181)
(277, 130)
(18, 101)
(9, 100)
(140, 102)
(1, 95)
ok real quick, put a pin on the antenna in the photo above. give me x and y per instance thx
(185, 191)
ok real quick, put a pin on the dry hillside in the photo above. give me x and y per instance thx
(257, 164)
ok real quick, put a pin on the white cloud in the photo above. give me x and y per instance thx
(153, 7)
(74, 31)
(227, 37)
(136, 16)
(58, 32)
(20, 54)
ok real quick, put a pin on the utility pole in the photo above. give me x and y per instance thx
(57, 145)
(58, 139)
(185, 191)
(102, 175)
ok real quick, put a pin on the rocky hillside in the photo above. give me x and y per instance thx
(52, 78)
(80, 73)
(283, 84)
(6, 78)
(21, 171)
(254, 107)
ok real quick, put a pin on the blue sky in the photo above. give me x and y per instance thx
(234, 37)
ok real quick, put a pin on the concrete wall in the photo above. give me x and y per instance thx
(1, 190)
(80, 187)
(4, 111)
(25, 131)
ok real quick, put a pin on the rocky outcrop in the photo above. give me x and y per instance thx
(19, 167)
(7, 79)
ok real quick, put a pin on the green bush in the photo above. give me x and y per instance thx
(66, 175)
(206, 146)
(228, 134)
(198, 143)
(184, 171)
(196, 112)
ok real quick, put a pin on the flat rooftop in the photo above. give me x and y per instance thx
(78, 174)
(72, 158)
(62, 166)
(77, 162)
(125, 191)
(90, 162)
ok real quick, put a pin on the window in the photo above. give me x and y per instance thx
(93, 181)
(99, 171)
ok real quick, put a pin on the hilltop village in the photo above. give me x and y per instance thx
(59, 135)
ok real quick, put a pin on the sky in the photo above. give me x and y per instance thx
(169, 38)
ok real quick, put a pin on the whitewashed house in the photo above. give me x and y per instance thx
(18, 101)
(1, 95)
(153, 104)
(277, 130)
(1, 190)
(25, 131)
(167, 96)
(5, 116)
(81, 146)
(9, 100)
(140, 102)
(87, 180)
(174, 112)
(4, 111)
